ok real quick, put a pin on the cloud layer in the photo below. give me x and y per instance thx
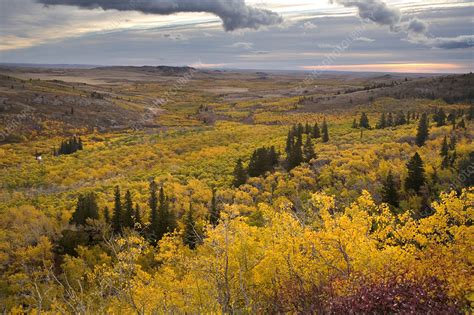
(235, 14)
(416, 29)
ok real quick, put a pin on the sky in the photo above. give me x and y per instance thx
(346, 35)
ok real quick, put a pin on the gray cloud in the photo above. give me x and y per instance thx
(374, 10)
(463, 41)
(235, 14)
(417, 26)
(242, 45)
(416, 29)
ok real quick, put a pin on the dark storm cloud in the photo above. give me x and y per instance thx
(235, 14)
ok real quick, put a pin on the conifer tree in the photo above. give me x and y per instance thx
(240, 174)
(214, 214)
(466, 175)
(382, 122)
(462, 124)
(390, 191)
(190, 234)
(166, 221)
(138, 216)
(400, 120)
(154, 219)
(364, 121)
(128, 221)
(445, 153)
(470, 113)
(316, 131)
(307, 129)
(86, 208)
(440, 117)
(416, 174)
(452, 142)
(422, 131)
(117, 216)
(325, 132)
(273, 156)
(390, 120)
(296, 156)
(308, 150)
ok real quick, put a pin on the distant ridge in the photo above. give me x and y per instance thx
(163, 70)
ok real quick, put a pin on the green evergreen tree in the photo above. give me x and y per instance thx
(390, 120)
(390, 192)
(308, 150)
(117, 216)
(296, 157)
(127, 220)
(445, 154)
(364, 121)
(86, 208)
(400, 120)
(316, 133)
(422, 131)
(416, 174)
(466, 175)
(153, 204)
(325, 131)
(440, 117)
(138, 216)
(214, 213)
(462, 124)
(191, 235)
(240, 174)
(382, 122)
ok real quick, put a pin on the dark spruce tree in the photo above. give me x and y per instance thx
(240, 174)
(440, 117)
(128, 215)
(390, 192)
(118, 215)
(214, 213)
(325, 132)
(308, 150)
(86, 208)
(138, 216)
(470, 113)
(416, 174)
(191, 236)
(154, 227)
(462, 124)
(444, 153)
(400, 119)
(364, 121)
(422, 132)
(316, 133)
(166, 219)
(466, 175)
(382, 122)
(390, 120)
